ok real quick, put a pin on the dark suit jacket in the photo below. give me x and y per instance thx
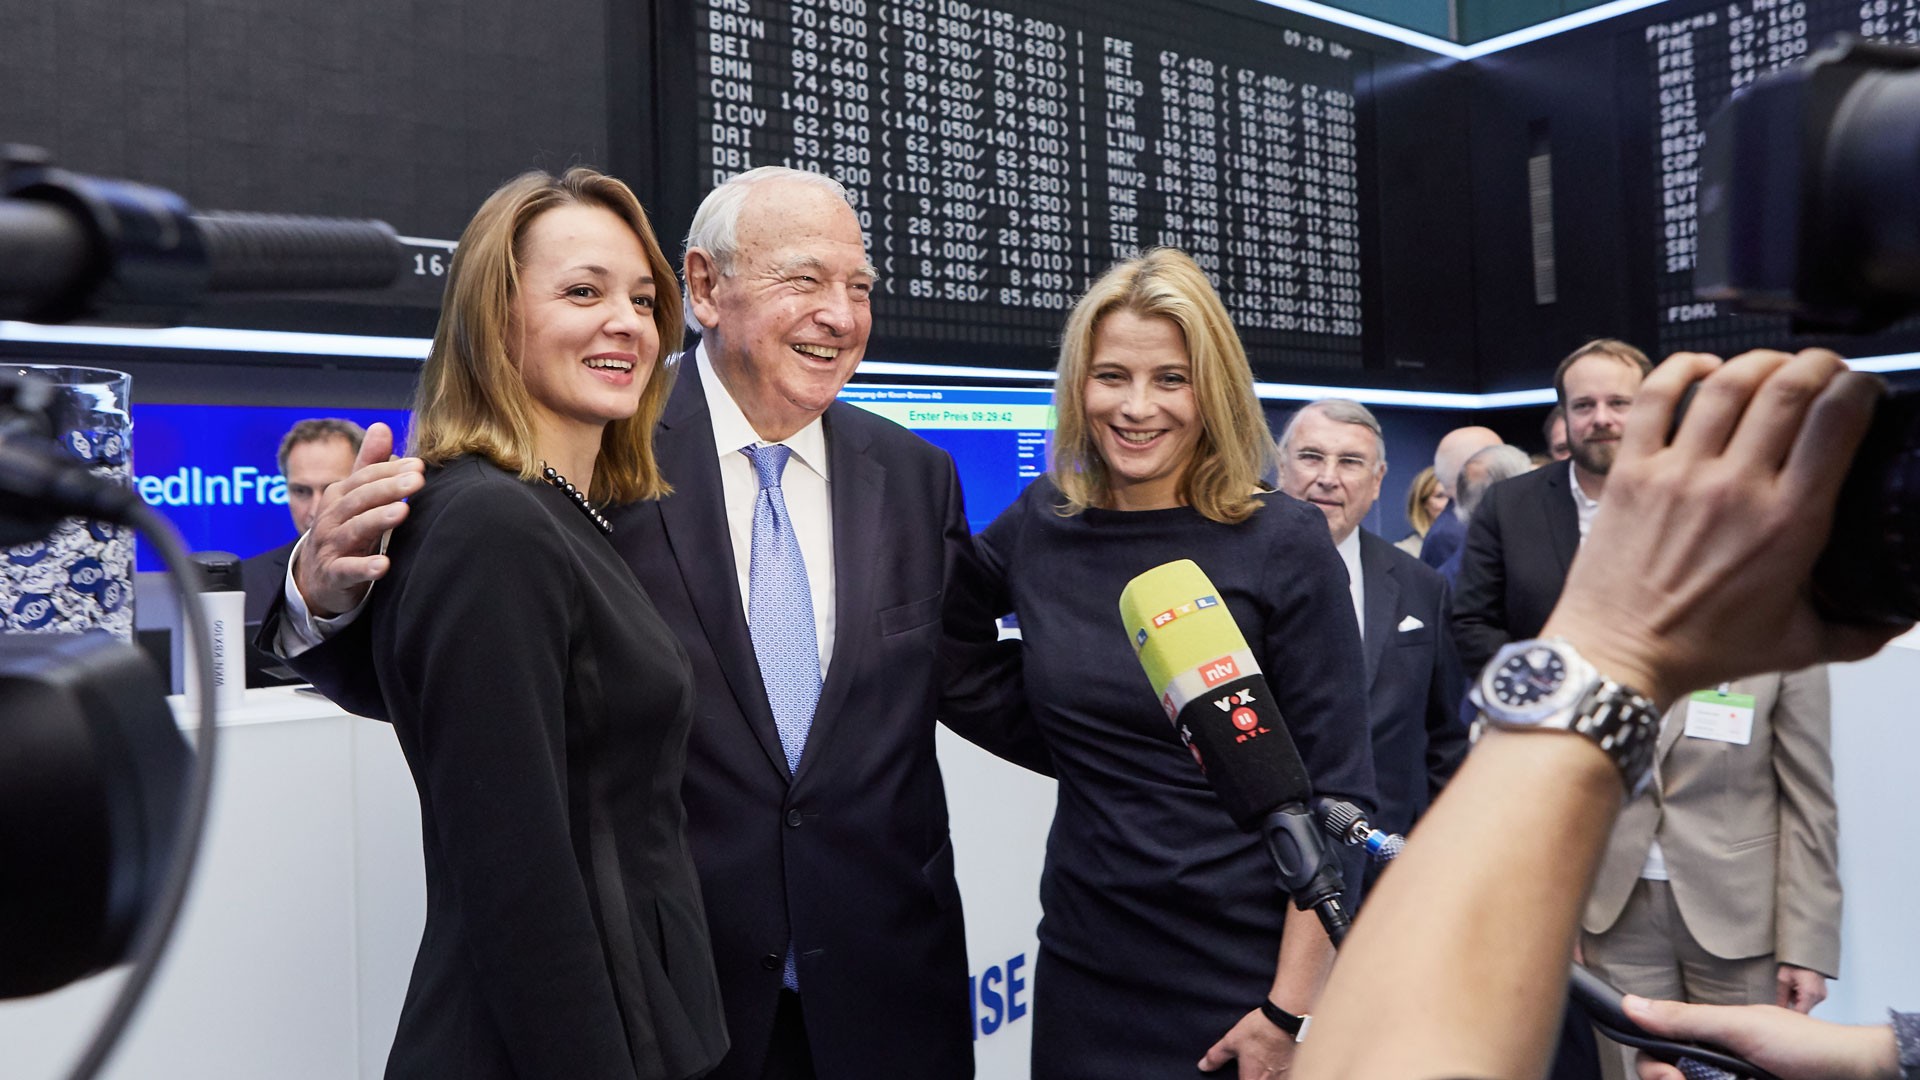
(1443, 539)
(850, 858)
(263, 576)
(1414, 683)
(1519, 545)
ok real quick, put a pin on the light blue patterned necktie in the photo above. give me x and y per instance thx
(780, 621)
(780, 608)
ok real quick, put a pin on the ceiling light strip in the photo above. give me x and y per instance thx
(220, 339)
(1443, 47)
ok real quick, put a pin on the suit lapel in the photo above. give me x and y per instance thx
(1380, 595)
(1676, 723)
(856, 488)
(1563, 521)
(694, 519)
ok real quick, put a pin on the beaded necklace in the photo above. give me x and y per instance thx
(579, 498)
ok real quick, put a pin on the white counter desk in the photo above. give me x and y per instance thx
(291, 958)
(293, 953)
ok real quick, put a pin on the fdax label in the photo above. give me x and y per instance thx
(998, 996)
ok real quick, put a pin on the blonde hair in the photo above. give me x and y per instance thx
(1423, 488)
(471, 398)
(1235, 449)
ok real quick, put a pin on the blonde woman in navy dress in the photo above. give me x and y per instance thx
(1162, 927)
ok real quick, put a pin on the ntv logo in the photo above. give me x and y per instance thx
(1215, 672)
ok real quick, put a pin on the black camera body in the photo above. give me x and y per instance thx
(1810, 191)
(1810, 207)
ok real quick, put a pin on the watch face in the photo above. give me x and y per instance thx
(1528, 678)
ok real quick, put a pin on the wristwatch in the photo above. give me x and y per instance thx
(1295, 1026)
(1546, 685)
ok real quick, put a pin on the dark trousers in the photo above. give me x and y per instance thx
(789, 1057)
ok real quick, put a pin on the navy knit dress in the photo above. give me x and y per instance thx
(1161, 921)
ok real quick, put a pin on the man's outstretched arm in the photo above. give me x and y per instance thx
(1458, 966)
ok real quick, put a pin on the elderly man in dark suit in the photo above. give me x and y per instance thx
(1526, 530)
(810, 560)
(1333, 456)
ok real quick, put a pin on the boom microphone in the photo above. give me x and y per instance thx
(74, 246)
(1215, 695)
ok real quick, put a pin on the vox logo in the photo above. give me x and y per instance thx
(1235, 705)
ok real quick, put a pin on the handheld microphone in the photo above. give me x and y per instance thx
(1217, 699)
(1350, 826)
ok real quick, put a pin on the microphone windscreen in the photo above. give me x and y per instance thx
(1213, 691)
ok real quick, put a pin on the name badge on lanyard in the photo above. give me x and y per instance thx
(1720, 715)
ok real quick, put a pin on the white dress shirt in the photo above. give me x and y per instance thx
(299, 629)
(804, 485)
(1350, 553)
(1584, 506)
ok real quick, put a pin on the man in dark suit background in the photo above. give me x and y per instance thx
(1526, 530)
(313, 454)
(819, 828)
(1522, 540)
(1332, 455)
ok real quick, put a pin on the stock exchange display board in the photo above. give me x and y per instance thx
(1695, 62)
(1001, 155)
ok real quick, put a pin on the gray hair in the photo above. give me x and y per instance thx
(1500, 462)
(1340, 411)
(716, 224)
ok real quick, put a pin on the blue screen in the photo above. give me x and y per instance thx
(997, 436)
(213, 471)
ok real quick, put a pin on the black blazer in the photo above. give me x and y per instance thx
(543, 708)
(849, 858)
(1414, 684)
(1521, 541)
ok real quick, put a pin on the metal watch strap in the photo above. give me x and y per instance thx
(1624, 724)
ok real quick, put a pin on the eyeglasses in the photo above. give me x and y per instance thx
(1346, 466)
